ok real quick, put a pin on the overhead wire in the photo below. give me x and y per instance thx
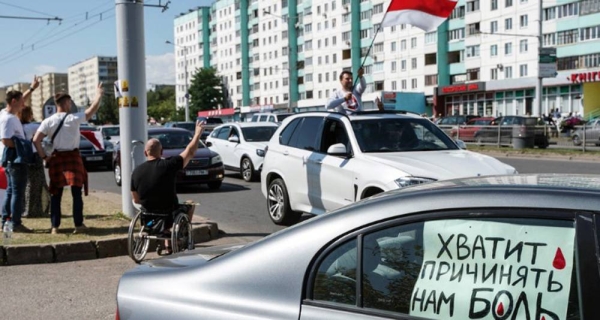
(27, 9)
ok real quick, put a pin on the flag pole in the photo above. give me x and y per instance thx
(371, 46)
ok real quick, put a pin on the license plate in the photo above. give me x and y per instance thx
(196, 172)
(93, 158)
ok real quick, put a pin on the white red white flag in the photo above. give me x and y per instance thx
(423, 14)
(95, 137)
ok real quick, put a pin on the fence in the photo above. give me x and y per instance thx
(585, 137)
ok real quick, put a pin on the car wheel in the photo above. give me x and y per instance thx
(247, 170)
(117, 171)
(576, 140)
(278, 203)
(215, 185)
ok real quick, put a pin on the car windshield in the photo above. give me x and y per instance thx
(400, 134)
(480, 122)
(112, 131)
(253, 134)
(174, 140)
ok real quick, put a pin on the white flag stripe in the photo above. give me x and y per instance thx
(419, 19)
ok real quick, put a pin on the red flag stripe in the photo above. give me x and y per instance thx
(440, 8)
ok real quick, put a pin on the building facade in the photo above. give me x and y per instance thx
(483, 60)
(84, 77)
(50, 83)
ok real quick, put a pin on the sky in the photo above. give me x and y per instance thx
(36, 47)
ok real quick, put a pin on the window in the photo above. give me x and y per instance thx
(568, 10)
(378, 47)
(473, 6)
(306, 136)
(458, 12)
(523, 21)
(378, 8)
(472, 74)
(549, 39)
(567, 37)
(508, 24)
(403, 83)
(431, 80)
(403, 45)
(397, 264)
(403, 65)
(494, 5)
(549, 13)
(413, 43)
(508, 48)
(394, 66)
(494, 74)
(286, 134)
(394, 86)
(413, 63)
(523, 46)
(456, 34)
(472, 51)
(507, 72)
(588, 7)
(508, 3)
(413, 83)
(589, 33)
(523, 70)
(393, 46)
(431, 37)
(493, 26)
(473, 29)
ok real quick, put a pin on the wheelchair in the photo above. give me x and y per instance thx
(148, 226)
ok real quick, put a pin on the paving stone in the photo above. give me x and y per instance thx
(73, 251)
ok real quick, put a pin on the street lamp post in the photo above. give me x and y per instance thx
(187, 95)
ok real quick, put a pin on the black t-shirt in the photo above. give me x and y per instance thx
(154, 181)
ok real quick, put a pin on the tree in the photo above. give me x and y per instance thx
(108, 111)
(161, 104)
(206, 91)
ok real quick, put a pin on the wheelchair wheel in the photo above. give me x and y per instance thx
(137, 239)
(181, 235)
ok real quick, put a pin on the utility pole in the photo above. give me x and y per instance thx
(539, 86)
(132, 71)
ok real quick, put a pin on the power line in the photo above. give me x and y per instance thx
(26, 9)
(30, 18)
(87, 12)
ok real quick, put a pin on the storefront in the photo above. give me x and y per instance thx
(467, 98)
(590, 89)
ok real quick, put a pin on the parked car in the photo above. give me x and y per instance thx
(592, 133)
(242, 146)
(269, 117)
(467, 132)
(523, 247)
(191, 126)
(510, 127)
(317, 162)
(206, 167)
(455, 120)
(112, 131)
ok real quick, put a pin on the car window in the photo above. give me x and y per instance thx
(214, 121)
(263, 118)
(223, 133)
(214, 133)
(254, 134)
(287, 133)
(333, 133)
(112, 131)
(307, 135)
(234, 133)
(400, 134)
(457, 269)
(174, 140)
(280, 117)
(254, 118)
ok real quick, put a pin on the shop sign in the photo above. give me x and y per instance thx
(585, 77)
(217, 113)
(257, 108)
(547, 63)
(461, 88)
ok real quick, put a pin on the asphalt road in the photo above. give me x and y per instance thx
(86, 289)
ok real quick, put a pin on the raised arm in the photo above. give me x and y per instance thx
(191, 148)
(335, 103)
(34, 84)
(361, 86)
(89, 112)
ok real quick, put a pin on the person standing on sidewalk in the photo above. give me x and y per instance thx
(65, 163)
(13, 136)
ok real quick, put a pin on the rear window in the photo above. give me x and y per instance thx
(254, 134)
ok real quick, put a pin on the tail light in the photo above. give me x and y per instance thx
(117, 315)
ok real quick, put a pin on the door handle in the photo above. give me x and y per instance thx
(320, 161)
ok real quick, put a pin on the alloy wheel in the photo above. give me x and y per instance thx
(276, 201)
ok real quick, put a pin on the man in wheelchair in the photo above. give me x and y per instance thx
(153, 182)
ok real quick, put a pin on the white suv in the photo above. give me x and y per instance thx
(319, 161)
(242, 146)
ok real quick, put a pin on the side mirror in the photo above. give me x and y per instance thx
(234, 139)
(338, 149)
(208, 144)
(461, 144)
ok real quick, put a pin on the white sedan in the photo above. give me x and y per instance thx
(242, 146)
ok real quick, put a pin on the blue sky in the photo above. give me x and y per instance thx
(56, 47)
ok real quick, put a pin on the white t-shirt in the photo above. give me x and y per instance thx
(68, 137)
(10, 126)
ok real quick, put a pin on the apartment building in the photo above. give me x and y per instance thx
(482, 60)
(50, 83)
(2, 97)
(84, 77)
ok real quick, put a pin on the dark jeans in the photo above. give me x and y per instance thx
(16, 176)
(55, 213)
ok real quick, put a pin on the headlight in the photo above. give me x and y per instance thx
(260, 152)
(411, 181)
(215, 160)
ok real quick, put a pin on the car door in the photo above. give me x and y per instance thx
(218, 140)
(331, 172)
(228, 148)
(464, 264)
(300, 181)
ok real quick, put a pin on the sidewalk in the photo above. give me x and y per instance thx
(103, 247)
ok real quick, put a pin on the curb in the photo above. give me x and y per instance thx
(87, 250)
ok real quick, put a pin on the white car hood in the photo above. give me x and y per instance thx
(442, 165)
(258, 145)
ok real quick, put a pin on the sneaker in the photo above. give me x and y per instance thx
(80, 229)
(21, 229)
(54, 231)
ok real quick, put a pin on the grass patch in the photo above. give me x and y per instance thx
(103, 218)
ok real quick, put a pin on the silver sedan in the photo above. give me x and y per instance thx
(504, 247)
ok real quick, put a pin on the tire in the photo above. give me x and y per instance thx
(215, 185)
(117, 174)
(576, 140)
(137, 241)
(278, 204)
(247, 170)
(182, 237)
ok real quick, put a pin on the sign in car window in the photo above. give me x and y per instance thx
(476, 269)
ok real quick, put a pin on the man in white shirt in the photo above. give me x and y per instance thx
(65, 163)
(348, 99)
(15, 170)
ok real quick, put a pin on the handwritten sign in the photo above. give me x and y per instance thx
(493, 270)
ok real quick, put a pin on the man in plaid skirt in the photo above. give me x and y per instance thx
(65, 166)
